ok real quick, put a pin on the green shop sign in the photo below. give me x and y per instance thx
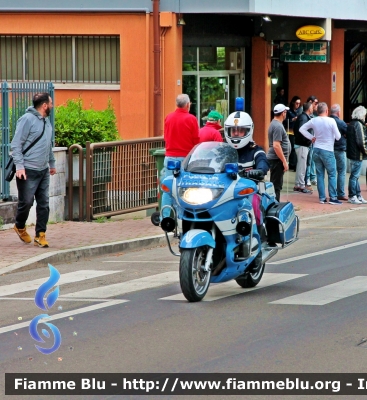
(304, 51)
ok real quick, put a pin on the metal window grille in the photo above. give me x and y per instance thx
(82, 59)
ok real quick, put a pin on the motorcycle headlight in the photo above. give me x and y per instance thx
(199, 195)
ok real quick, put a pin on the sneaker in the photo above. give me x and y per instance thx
(354, 200)
(323, 201)
(41, 240)
(304, 190)
(335, 201)
(343, 198)
(308, 183)
(296, 189)
(23, 234)
(362, 200)
(314, 183)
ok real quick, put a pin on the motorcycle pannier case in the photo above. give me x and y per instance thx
(281, 223)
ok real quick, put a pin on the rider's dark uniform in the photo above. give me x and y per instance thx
(253, 156)
(250, 157)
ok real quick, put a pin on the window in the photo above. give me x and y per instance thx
(82, 59)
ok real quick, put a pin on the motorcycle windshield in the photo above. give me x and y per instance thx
(210, 158)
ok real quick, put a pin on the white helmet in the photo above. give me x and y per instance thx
(238, 129)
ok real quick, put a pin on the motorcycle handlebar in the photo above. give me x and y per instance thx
(255, 174)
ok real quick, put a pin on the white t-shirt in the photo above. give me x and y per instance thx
(325, 131)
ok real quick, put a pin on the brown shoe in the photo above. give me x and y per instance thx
(23, 234)
(41, 240)
(344, 198)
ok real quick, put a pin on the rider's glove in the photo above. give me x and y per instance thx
(256, 174)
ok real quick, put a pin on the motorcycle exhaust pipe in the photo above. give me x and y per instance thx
(168, 224)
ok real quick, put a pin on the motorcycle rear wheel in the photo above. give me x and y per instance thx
(194, 281)
(254, 275)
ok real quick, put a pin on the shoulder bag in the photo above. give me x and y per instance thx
(10, 166)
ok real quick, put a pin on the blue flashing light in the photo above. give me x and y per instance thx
(240, 104)
(173, 164)
(231, 168)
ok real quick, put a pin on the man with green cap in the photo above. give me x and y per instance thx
(210, 132)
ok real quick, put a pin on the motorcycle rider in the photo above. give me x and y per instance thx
(238, 131)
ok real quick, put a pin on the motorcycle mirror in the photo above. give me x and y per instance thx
(231, 168)
(173, 164)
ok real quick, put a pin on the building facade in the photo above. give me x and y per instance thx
(215, 51)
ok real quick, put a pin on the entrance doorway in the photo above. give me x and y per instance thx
(213, 78)
(213, 96)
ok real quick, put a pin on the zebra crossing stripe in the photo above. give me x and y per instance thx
(328, 294)
(118, 289)
(65, 314)
(231, 288)
(70, 277)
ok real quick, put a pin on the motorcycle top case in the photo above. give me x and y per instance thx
(285, 216)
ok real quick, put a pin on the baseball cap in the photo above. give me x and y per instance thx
(279, 108)
(213, 116)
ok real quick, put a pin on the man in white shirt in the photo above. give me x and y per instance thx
(325, 133)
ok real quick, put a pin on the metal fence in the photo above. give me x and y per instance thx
(15, 98)
(121, 177)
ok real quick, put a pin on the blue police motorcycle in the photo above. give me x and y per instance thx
(228, 222)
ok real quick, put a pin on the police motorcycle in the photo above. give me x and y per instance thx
(228, 221)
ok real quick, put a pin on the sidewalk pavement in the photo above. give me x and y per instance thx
(70, 241)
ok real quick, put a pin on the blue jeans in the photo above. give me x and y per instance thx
(36, 186)
(353, 184)
(310, 170)
(341, 168)
(167, 198)
(325, 160)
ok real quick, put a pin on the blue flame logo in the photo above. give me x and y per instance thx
(45, 305)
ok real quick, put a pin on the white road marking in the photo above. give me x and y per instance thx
(59, 299)
(328, 294)
(335, 213)
(64, 315)
(317, 253)
(121, 288)
(143, 261)
(69, 277)
(231, 288)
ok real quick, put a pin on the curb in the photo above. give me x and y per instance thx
(70, 255)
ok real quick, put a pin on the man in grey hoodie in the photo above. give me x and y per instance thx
(34, 168)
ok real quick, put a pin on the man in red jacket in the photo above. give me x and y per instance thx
(210, 132)
(181, 134)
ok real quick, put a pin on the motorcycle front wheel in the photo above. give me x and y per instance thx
(255, 273)
(194, 280)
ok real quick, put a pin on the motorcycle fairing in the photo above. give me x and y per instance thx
(197, 238)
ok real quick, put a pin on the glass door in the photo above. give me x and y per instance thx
(213, 96)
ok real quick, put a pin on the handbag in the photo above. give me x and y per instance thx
(10, 166)
(10, 169)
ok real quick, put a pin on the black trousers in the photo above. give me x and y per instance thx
(293, 155)
(36, 186)
(276, 176)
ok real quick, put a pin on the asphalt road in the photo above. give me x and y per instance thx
(278, 327)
